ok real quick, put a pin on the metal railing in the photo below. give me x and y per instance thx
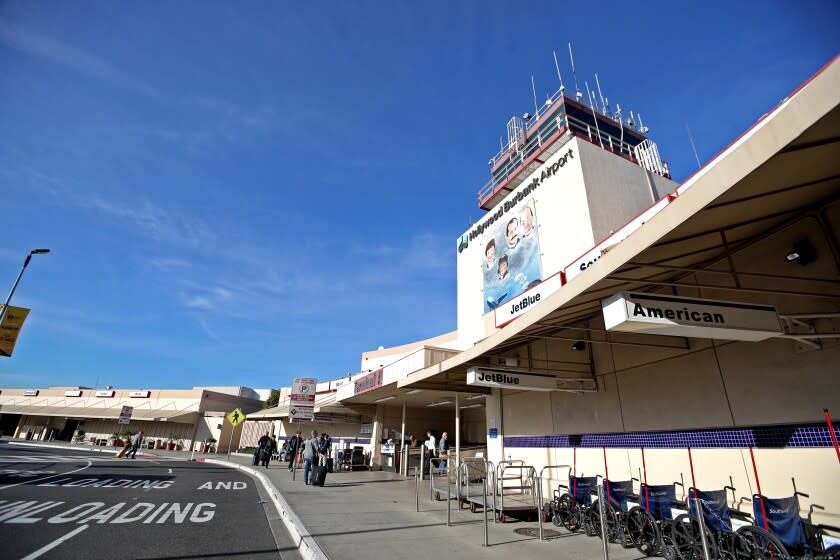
(518, 152)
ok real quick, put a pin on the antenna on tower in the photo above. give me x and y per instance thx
(631, 121)
(559, 77)
(534, 91)
(594, 114)
(693, 148)
(601, 95)
(642, 128)
(578, 94)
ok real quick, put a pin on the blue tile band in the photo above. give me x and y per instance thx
(778, 436)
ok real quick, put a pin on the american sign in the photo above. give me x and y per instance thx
(692, 317)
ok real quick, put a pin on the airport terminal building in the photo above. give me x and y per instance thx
(185, 418)
(624, 325)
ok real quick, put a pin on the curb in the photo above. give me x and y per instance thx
(91, 449)
(308, 548)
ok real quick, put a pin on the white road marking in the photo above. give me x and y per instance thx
(89, 463)
(55, 543)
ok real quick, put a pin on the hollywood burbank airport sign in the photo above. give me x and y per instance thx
(691, 317)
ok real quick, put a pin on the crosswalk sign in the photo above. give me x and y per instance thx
(236, 417)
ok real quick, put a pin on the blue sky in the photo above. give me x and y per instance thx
(240, 195)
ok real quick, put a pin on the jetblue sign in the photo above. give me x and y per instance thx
(508, 380)
(519, 305)
(691, 317)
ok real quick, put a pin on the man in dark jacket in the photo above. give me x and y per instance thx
(294, 445)
(263, 444)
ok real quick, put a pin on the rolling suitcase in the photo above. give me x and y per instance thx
(330, 464)
(320, 475)
(122, 452)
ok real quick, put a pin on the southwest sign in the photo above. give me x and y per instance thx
(590, 257)
(508, 380)
(691, 317)
(521, 304)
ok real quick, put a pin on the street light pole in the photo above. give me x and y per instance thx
(17, 281)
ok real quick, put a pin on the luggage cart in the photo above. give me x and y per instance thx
(477, 480)
(519, 497)
(440, 482)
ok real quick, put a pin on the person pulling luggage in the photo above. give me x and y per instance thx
(269, 451)
(263, 442)
(135, 444)
(310, 459)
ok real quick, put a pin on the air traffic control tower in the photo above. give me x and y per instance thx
(571, 176)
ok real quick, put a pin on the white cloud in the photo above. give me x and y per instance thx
(43, 46)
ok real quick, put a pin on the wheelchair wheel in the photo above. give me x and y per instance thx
(595, 521)
(685, 534)
(644, 531)
(833, 553)
(754, 543)
(567, 513)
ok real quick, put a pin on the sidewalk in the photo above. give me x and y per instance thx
(373, 514)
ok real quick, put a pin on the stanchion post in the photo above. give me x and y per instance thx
(448, 496)
(540, 504)
(486, 541)
(417, 490)
(603, 517)
(431, 478)
(701, 520)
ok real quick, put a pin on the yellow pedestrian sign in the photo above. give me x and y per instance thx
(236, 417)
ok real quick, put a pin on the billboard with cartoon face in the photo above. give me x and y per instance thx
(511, 256)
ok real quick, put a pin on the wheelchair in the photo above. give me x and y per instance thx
(650, 525)
(719, 523)
(788, 536)
(620, 500)
(573, 502)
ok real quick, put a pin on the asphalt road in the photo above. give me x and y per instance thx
(58, 503)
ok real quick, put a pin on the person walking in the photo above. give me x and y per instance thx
(310, 459)
(443, 450)
(269, 451)
(136, 442)
(294, 445)
(262, 444)
(324, 444)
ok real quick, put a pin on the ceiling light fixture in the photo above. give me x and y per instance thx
(385, 399)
